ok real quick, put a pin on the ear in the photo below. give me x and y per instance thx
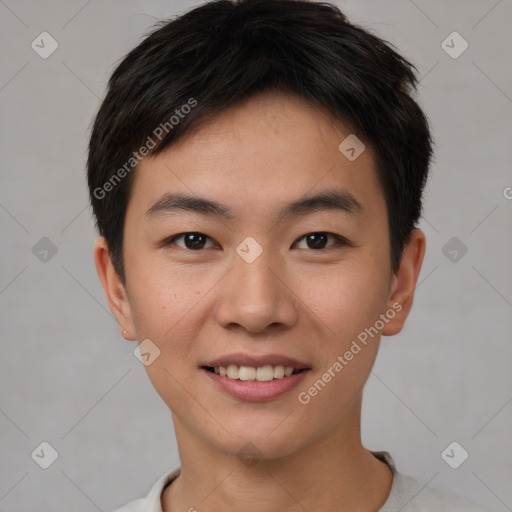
(403, 283)
(114, 289)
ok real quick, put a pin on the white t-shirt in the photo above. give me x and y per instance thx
(407, 494)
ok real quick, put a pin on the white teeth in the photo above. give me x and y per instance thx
(264, 373)
(261, 373)
(232, 371)
(278, 372)
(247, 373)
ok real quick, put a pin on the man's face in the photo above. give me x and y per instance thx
(306, 296)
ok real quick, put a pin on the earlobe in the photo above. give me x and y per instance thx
(403, 283)
(114, 289)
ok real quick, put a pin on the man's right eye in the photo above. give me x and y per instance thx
(192, 240)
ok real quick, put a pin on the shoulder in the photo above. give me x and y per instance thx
(151, 503)
(411, 495)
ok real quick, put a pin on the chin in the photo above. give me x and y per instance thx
(266, 440)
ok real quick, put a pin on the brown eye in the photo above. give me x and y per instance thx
(318, 240)
(192, 240)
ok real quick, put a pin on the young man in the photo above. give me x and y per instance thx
(256, 173)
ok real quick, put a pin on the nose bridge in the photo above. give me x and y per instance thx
(255, 295)
(252, 269)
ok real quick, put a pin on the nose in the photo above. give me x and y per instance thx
(255, 296)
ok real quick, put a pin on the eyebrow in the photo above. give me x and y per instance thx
(332, 199)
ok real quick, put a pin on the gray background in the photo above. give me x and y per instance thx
(68, 378)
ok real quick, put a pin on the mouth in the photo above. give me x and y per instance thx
(263, 373)
(255, 379)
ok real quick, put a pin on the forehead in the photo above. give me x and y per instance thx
(271, 150)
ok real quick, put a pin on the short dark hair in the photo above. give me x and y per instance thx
(223, 52)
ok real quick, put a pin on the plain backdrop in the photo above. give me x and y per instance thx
(68, 378)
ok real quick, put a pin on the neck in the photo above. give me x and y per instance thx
(335, 472)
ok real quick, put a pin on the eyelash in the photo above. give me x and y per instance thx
(340, 241)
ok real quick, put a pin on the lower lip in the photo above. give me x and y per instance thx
(256, 390)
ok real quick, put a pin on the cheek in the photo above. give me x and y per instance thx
(344, 299)
(349, 303)
(169, 306)
(164, 309)
(161, 297)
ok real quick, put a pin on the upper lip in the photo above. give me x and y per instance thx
(256, 360)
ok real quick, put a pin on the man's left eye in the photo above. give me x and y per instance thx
(317, 240)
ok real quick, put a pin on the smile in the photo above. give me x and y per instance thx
(243, 382)
(250, 373)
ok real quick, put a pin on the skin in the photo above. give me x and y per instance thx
(306, 303)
